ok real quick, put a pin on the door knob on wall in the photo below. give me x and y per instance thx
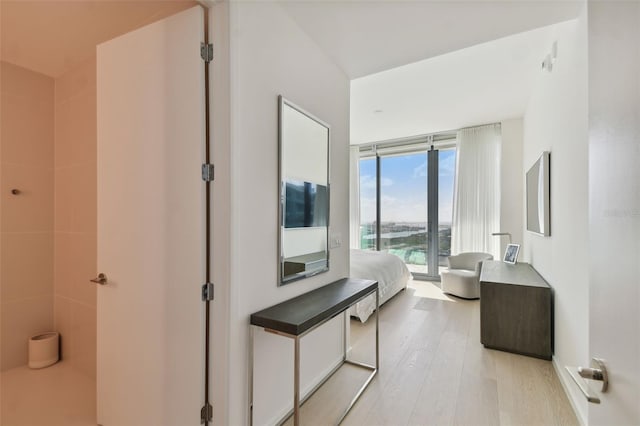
(100, 279)
(597, 371)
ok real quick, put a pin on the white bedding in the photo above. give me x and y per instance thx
(389, 270)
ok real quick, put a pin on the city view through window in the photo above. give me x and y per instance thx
(403, 207)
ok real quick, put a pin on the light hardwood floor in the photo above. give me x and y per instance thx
(435, 371)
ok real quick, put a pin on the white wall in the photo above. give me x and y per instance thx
(271, 56)
(556, 121)
(511, 178)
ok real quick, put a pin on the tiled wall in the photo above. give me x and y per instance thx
(48, 231)
(26, 223)
(75, 215)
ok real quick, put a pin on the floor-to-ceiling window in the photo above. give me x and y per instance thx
(403, 208)
(406, 197)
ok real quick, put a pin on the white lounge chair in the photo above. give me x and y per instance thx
(462, 279)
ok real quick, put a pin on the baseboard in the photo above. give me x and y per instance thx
(566, 386)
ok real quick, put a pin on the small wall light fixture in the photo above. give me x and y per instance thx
(550, 59)
(547, 64)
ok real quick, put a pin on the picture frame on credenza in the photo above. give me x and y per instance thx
(511, 254)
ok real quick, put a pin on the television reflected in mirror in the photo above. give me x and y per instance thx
(304, 193)
(306, 205)
(539, 196)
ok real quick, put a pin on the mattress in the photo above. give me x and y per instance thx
(389, 270)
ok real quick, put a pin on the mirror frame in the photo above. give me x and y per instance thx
(282, 280)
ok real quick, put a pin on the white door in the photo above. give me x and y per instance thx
(614, 211)
(150, 368)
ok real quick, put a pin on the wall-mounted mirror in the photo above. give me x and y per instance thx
(304, 193)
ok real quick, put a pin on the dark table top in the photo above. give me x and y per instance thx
(297, 315)
(523, 274)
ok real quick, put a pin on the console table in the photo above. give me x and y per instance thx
(516, 312)
(298, 316)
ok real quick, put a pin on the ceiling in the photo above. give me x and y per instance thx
(365, 37)
(419, 67)
(482, 84)
(52, 36)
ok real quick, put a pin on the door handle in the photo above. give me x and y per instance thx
(100, 279)
(597, 371)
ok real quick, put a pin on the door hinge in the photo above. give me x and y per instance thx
(206, 51)
(206, 414)
(208, 172)
(207, 292)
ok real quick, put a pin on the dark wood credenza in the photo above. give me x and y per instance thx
(516, 309)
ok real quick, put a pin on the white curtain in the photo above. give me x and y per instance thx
(354, 197)
(476, 200)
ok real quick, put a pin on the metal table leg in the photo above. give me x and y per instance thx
(296, 381)
(374, 370)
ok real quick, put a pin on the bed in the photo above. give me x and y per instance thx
(389, 270)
